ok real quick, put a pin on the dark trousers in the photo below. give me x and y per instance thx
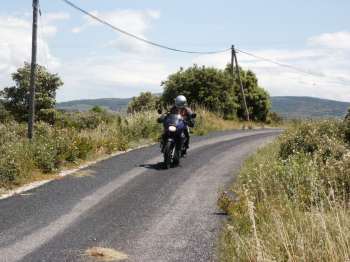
(187, 135)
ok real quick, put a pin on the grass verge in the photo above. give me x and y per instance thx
(291, 199)
(74, 138)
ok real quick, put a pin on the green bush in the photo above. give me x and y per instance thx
(15, 98)
(274, 118)
(324, 137)
(144, 102)
(292, 199)
(218, 91)
(76, 136)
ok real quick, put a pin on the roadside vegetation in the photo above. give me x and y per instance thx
(290, 202)
(65, 139)
(218, 91)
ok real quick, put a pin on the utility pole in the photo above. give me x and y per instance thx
(31, 101)
(235, 61)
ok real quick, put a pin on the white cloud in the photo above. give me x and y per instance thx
(15, 43)
(53, 17)
(138, 67)
(336, 40)
(47, 23)
(101, 76)
(134, 21)
(327, 56)
(134, 68)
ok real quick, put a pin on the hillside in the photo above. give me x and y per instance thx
(287, 106)
(114, 104)
(308, 107)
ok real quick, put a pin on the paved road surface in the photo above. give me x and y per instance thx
(129, 204)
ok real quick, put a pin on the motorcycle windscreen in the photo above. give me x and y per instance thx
(172, 120)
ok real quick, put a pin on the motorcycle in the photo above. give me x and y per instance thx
(173, 140)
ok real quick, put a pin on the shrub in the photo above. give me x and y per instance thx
(292, 199)
(310, 137)
(144, 102)
(274, 118)
(78, 136)
(218, 91)
(15, 98)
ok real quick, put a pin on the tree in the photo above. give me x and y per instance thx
(16, 97)
(258, 100)
(274, 118)
(205, 86)
(98, 109)
(144, 102)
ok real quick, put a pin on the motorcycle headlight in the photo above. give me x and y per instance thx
(172, 128)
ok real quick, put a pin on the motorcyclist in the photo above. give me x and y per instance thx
(180, 107)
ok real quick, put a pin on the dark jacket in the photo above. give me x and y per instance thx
(185, 112)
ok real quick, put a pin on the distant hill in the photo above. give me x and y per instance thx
(287, 106)
(114, 104)
(308, 107)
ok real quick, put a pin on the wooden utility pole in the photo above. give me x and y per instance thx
(235, 61)
(31, 101)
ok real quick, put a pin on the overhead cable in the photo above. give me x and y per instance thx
(122, 31)
(102, 21)
(293, 67)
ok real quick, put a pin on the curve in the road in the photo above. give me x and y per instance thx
(110, 209)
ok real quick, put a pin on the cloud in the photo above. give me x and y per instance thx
(135, 67)
(327, 56)
(105, 76)
(136, 22)
(338, 40)
(15, 43)
(48, 20)
(59, 16)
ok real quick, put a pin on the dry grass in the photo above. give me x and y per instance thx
(292, 200)
(106, 254)
(208, 122)
(79, 138)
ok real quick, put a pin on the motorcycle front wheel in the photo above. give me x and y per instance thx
(169, 154)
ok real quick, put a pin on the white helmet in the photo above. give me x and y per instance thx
(180, 101)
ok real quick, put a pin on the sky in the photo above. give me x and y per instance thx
(97, 62)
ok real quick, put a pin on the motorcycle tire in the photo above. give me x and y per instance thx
(177, 156)
(168, 154)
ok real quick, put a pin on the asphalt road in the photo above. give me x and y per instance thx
(129, 204)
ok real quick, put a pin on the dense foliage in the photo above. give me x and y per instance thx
(292, 198)
(218, 92)
(4, 114)
(258, 100)
(144, 102)
(71, 137)
(15, 98)
(208, 87)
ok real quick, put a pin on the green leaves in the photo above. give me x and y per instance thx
(16, 97)
(145, 102)
(218, 92)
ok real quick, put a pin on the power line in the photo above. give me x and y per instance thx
(277, 63)
(293, 67)
(104, 22)
(100, 20)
